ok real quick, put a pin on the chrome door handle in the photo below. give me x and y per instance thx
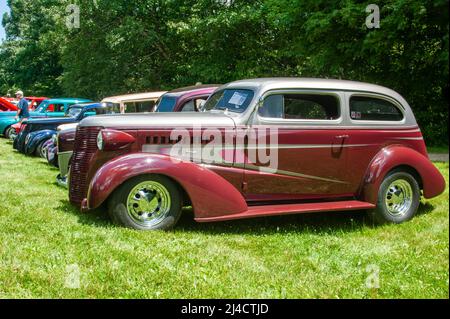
(342, 136)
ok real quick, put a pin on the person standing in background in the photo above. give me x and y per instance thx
(22, 112)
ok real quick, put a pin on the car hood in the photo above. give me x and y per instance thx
(160, 120)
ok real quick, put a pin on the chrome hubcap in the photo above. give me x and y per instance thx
(43, 152)
(11, 133)
(148, 203)
(399, 197)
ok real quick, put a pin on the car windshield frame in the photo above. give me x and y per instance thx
(235, 100)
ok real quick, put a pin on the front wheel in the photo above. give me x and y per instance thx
(148, 202)
(41, 150)
(398, 199)
(10, 132)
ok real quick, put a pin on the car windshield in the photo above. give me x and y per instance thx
(166, 104)
(104, 110)
(74, 111)
(233, 100)
(42, 107)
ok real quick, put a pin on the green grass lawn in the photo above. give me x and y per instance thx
(438, 149)
(49, 250)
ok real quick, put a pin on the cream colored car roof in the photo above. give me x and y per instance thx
(134, 97)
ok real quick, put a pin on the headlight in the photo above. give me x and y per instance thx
(112, 140)
(27, 138)
(100, 141)
(55, 139)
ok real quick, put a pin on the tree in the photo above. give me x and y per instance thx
(139, 45)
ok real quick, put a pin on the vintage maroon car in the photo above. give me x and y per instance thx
(186, 99)
(266, 147)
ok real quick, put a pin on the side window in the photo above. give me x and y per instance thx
(130, 107)
(188, 106)
(301, 107)
(199, 103)
(56, 108)
(145, 106)
(364, 108)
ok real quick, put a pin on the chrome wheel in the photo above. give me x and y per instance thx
(11, 133)
(43, 151)
(148, 203)
(399, 197)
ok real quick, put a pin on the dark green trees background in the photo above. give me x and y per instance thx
(126, 46)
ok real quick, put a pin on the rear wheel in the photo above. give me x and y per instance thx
(149, 202)
(398, 199)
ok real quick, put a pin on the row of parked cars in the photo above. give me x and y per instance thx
(249, 148)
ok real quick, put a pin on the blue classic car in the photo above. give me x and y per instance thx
(36, 132)
(48, 108)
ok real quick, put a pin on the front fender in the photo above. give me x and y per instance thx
(5, 123)
(36, 138)
(396, 156)
(210, 194)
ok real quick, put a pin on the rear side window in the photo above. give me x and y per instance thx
(189, 106)
(364, 108)
(145, 106)
(166, 104)
(301, 107)
(55, 108)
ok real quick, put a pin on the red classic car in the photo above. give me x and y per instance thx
(265, 147)
(33, 102)
(6, 105)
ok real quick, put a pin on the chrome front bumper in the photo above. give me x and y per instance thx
(63, 162)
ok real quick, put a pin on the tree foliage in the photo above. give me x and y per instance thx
(136, 45)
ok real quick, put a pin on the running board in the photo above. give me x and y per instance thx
(286, 209)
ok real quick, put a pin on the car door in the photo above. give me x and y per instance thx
(303, 129)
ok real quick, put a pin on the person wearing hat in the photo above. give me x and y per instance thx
(22, 112)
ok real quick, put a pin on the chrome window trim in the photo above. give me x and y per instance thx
(258, 119)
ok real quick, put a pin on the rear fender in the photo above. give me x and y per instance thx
(210, 194)
(36, 138)
(395, 156)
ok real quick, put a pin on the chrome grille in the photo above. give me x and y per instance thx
(85, 146)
